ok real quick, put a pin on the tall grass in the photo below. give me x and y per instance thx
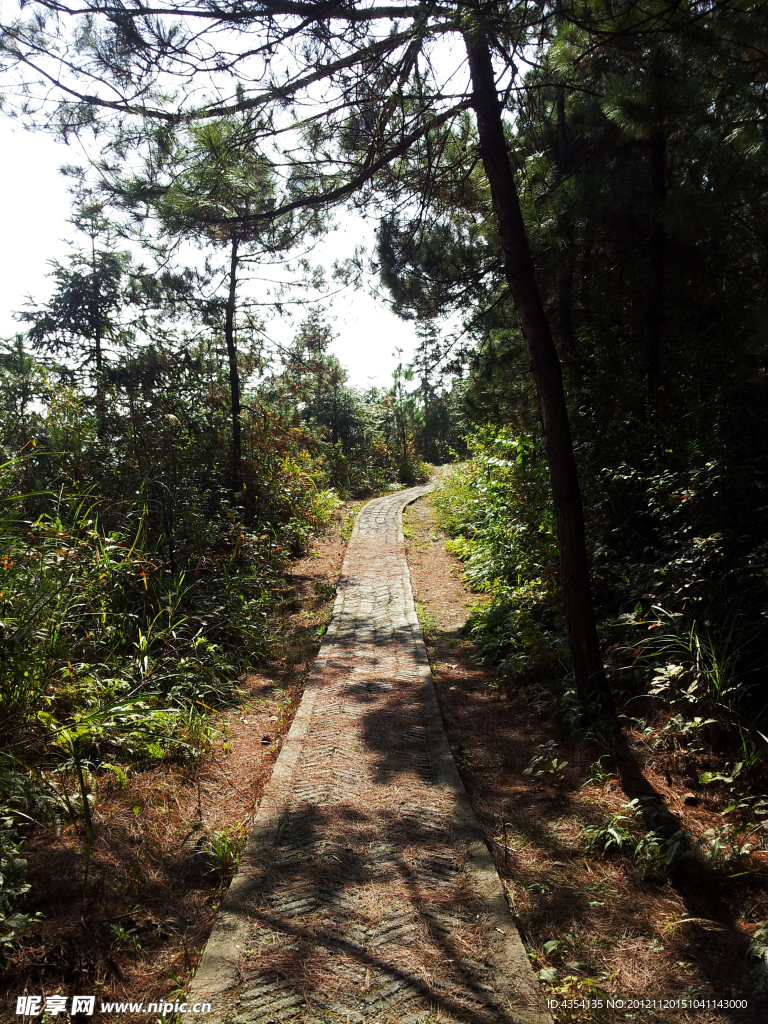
(114, 649)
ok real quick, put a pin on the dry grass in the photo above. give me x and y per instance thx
(615, 932)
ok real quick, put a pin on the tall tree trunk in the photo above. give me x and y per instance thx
(546, 368)
(234, 377)
(657, 243)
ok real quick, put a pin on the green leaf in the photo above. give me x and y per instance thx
(708, 777)
(550, 974)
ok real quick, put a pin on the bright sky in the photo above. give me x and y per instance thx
(36, 205)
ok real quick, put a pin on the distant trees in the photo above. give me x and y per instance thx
(366, 438)
(19, 385)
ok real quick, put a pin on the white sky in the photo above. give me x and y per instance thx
(36, 205)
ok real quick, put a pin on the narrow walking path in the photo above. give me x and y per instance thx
(366, 893)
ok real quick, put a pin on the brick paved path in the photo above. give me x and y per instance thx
(366, 893)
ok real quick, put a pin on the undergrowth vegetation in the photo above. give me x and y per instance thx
(119, 641)
(683, 654)
(608, 906)
(497, 509)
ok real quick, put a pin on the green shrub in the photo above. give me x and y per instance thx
(498, 512)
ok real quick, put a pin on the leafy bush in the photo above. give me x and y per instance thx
(674, 632)
(498, 511)
(498, 505)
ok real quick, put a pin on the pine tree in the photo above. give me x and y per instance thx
(203, 184)
(81, 321)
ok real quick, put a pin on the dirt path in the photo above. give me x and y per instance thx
(366, 892)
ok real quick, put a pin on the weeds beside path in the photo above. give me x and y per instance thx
(596, 926)
(167, 837)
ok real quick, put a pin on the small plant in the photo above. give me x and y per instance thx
(349, 525)
(727, 775)
(548, 974)
(609, 837)
(651, 855)
(597, 774)
(222, 848)
(286, 705)
(194, 734)
(429, 627)
(582, 988)
(125, 937)
(732, 841)
(758, 944)
(13, 885)
(547, 762)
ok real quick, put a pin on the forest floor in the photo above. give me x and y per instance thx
(595, 928)
(166, 841)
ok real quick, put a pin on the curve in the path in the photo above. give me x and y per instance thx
(366, 893)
